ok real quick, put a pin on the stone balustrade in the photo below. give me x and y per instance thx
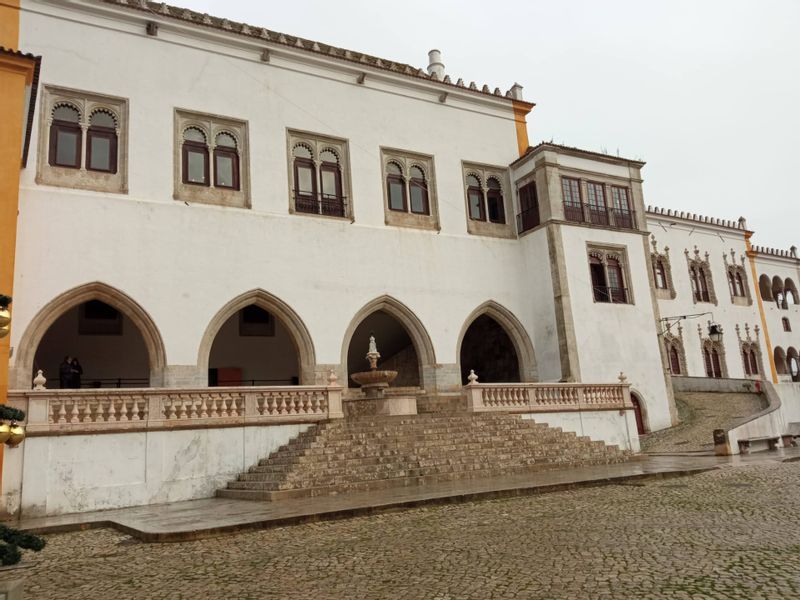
(100, 410)
(546, 397)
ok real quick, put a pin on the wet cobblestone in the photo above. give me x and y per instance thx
(730, 533)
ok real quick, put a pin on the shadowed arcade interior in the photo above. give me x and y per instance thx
(488, 350)
(253, 348)
(108, 345)
(395, 345)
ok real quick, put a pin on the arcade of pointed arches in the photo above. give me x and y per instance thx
(122, 346)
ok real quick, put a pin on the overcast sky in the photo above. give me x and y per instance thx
(707, 92)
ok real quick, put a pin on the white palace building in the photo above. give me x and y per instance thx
(214, 217)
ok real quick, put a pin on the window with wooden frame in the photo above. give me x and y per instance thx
(621, 211)
(396, 187)
(608, 274)
(477, 210)
(528, 216)
(82, 140)
(66, 137)
(226, 161)
(736, 274)
(319, 178)
(662, 271)
(713, 355)
(596, 203)
(211, 159)
(101, 142)
(195, 157)
(571, 195)
(485, 193)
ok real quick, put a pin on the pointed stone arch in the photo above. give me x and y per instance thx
(516, 332)
(298, 332)
(413, 326)
(53, 310)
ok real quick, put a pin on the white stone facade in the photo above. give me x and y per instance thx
(180, 271)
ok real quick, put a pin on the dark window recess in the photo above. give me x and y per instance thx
(674, 361)
(494, 202)
(528, 216)
(98, 318)
(418, 190)
(477, 211)
(195, 157)
(255, 321)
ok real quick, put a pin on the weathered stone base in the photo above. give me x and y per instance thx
(389, 405)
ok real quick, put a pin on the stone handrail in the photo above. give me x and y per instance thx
(128, 409)
(546, 397)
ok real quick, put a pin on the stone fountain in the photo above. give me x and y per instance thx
(378, 398)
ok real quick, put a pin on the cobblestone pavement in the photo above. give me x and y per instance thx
(730, 533)
(700, 414)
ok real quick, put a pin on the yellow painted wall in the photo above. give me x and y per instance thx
(15, 73)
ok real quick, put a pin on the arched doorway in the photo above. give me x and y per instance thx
(395, 345)
(638, 413)
(495, 345)
(257, 339)
(115, 340)
(403, 342)
(253, 348)
(487, 349)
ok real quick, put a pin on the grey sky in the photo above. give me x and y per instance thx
(707, 92)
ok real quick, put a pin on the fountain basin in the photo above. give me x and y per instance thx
(369, 379)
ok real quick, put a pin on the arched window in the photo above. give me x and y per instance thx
(699, 284)
(790, 291)
(732, 283)
(753, 362)
(746, 360)
(65, 137)
(707, 361)
(765, 287)
(305, 179)
(395, 187)
(779, 356)
(660, 274)
(616, 282)
(715, 361)
(780, 300)
(674, 361)
(226, 161)
(739, 285)
(330, 178)
(195, 157)
(789, 297)
(786, 325)
(418, 190)
(101, 142)
(494, 201)
(793, 361)
(477, 209)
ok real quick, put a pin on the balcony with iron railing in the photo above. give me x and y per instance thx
(329, 205)
(615, 295)
(528, 219)
(595, 215)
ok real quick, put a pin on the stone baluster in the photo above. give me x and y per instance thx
(62, 411)
(73, 415)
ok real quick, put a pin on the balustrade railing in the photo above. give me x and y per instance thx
(608, 217)
(73, 411)
(546, 397)
(320, 204)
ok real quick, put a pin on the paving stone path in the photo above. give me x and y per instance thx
(700, 414)
(730, 533)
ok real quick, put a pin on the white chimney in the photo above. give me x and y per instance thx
(435, 65)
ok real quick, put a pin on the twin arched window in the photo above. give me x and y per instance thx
(195, 158)
(750, 361)
(698, 277)
(67, 140)
(485, 204)
(713, 362)
(317, 183)
(736, 284)
(400, 189)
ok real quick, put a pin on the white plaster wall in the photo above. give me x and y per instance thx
(616, 337)
(606, 426)
(680, 236)
(539, 304)
(183, 263)
(77, 473)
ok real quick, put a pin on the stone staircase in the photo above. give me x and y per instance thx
(366, 453)
(699, 414)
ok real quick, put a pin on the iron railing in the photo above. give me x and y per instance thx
(604, 293)
(528, 219)
(611, 217)
(320, 204)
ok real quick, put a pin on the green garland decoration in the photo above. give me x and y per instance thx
(11, 540)
(9, 413)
